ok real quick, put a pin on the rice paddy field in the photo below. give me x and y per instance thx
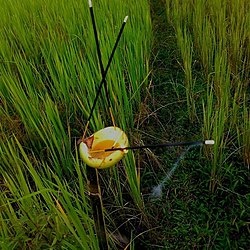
(181, 72)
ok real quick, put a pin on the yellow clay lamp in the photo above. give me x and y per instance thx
(92, 149)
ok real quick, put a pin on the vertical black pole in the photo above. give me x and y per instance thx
(99, 51)
(97, 207)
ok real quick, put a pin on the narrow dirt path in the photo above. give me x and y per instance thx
(169, 100)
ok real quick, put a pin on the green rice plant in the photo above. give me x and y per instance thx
(49, 76)
(41, 119)
(218, 118)
(218, 32)
(56, 66)
(204, 38)
(178, 12)
(239, 19)
(41, 212)
(184, 42)
(244, 133)
(208, 119)
(217, 10)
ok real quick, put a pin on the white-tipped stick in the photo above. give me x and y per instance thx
(125, 19)
(209, 142)
(90, 4)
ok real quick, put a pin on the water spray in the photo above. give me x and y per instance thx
(157, 190)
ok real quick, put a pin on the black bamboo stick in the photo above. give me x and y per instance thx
(169, 144)
(107, 68)
(99, 51)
